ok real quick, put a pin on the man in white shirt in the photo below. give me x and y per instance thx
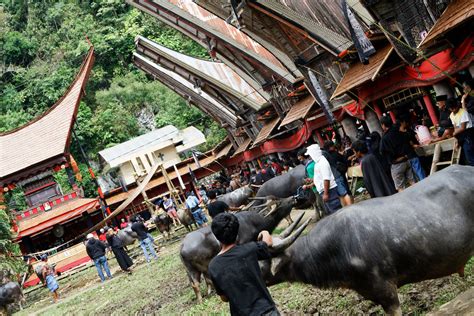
(324, 179)
(463, 128)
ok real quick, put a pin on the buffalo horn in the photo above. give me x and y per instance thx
(292, 227)
(272, 210)
(279, 245)
(246, 207)
(258, 198)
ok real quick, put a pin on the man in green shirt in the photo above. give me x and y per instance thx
(309, 170)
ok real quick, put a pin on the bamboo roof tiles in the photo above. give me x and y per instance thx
(243, 147)
(297, 19)
(200, 71)
(457, 12)
(233, 47)
(359, 73)
(291, 10)
(266, 130)
(47, 136)
(299, 110)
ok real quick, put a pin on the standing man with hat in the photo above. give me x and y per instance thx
(445, 126)
(96, 251)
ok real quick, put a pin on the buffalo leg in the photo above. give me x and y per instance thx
(194, 279)
(208, 284)
(195, 285)
(385, 294)
(289, 220)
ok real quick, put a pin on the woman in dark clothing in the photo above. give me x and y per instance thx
(122, 257)
(375, 140)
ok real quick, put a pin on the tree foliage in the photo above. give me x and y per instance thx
(10, 264)
(45, 41)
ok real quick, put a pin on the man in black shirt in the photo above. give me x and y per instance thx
(96, 251)
(145, 242)
(235, 272)
(410, 143)
(445, 126)
(394, 147)
(215, 207)
(339, 169)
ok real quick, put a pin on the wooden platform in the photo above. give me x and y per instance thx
(428, 150)
(64, 260)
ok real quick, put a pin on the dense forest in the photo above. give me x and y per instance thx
(43, 44)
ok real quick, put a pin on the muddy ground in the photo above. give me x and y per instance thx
(161, 287)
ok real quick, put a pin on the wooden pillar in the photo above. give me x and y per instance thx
(377, 110)
(148, 204)
(372, 122)
(443, 88)
(350, 128)
(392, 116)
(430, 108)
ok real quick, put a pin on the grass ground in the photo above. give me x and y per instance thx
(161, 287)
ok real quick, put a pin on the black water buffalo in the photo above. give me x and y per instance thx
(186, 218)
(127, 235)
(199, 247)
(287, 185)
(10, 293)
(163, 223)
(237, 197)
(378, 245)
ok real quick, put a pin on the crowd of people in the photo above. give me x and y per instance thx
(109, 241)
(389, 164)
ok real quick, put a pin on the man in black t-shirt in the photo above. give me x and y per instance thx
(215, 207)
(445, 126)
(145, 242)
(394, 148)
(467, 99)
(235, 272)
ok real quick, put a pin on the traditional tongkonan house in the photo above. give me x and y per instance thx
(290, 101)
(430, 55)
(313, 34)
(30, 155)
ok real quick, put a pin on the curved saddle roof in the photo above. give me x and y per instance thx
(203, 73)
(48, 135)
